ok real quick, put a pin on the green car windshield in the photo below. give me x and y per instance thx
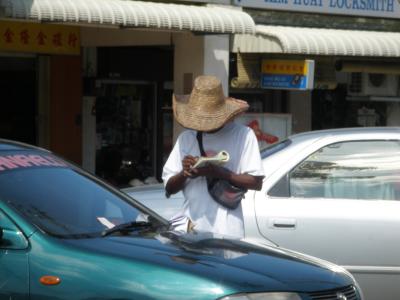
(59, 199)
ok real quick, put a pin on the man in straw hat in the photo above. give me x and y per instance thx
(207, 110)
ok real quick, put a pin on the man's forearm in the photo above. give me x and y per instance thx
(246, 181)
(175, 183)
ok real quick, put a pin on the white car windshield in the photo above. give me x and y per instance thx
(273, 148)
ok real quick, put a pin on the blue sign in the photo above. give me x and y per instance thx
(287, 74)
(274, 81)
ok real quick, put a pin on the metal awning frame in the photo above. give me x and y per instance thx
(131, 14)
(318, 41)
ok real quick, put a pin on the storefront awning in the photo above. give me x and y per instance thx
(125, 13)
(315, 41)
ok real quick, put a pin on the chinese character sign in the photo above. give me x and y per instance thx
(39, 38)
(287, 74)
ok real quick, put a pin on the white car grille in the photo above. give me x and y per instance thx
(348, 293)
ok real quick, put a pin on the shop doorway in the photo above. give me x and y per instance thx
(332, 109)
(126, 125)
(19, 101)
(133, 113)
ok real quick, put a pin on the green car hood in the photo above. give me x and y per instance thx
(233, 263)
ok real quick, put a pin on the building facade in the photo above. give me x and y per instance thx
(107, 104)
(93, 80)
(355, 49)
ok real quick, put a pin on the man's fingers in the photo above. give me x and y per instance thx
(187, 173)
(189, 161)
(186, 163)
(190, 174)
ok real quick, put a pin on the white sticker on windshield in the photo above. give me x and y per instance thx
(105, 222)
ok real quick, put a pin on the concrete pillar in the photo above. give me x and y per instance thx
(216, 58)
(66, 106)
(89, 67)
(196, 55)
(188, 60)
(43, 123)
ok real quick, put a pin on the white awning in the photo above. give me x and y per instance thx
(315, 41)
(125, 13)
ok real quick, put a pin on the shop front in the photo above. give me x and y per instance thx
(356, 61)
(133, 55)
(133, 113)
(129, 78)
(38, 107)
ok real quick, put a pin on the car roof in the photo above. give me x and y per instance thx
(295, 143)
(311, 136)
(346, 131)
(9, 145)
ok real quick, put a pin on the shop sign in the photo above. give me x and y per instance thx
(287, 74)
(367, 8)
(39, 38)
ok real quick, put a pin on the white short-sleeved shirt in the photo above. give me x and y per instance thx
(206, 214)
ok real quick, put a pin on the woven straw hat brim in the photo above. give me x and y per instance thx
(201, 120)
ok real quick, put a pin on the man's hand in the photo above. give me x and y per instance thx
(187, 163)
(177, 182)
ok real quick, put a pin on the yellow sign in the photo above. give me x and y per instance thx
(287, 74)
(289, 67)
(39, 38)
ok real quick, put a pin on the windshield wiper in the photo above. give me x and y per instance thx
(182, 241)
(126, 227)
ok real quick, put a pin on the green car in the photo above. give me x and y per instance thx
(65, 234)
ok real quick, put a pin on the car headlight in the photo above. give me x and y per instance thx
(263, 296)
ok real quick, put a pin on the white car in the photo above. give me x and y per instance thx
(333, 194)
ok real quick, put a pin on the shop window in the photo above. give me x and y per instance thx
(125, 132)
(332, 109)
(18, 108)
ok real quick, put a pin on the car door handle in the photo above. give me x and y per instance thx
(282, 223)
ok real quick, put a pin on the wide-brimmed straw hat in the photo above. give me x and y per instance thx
(206, 108)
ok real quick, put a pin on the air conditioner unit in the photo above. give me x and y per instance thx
(368, 84)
